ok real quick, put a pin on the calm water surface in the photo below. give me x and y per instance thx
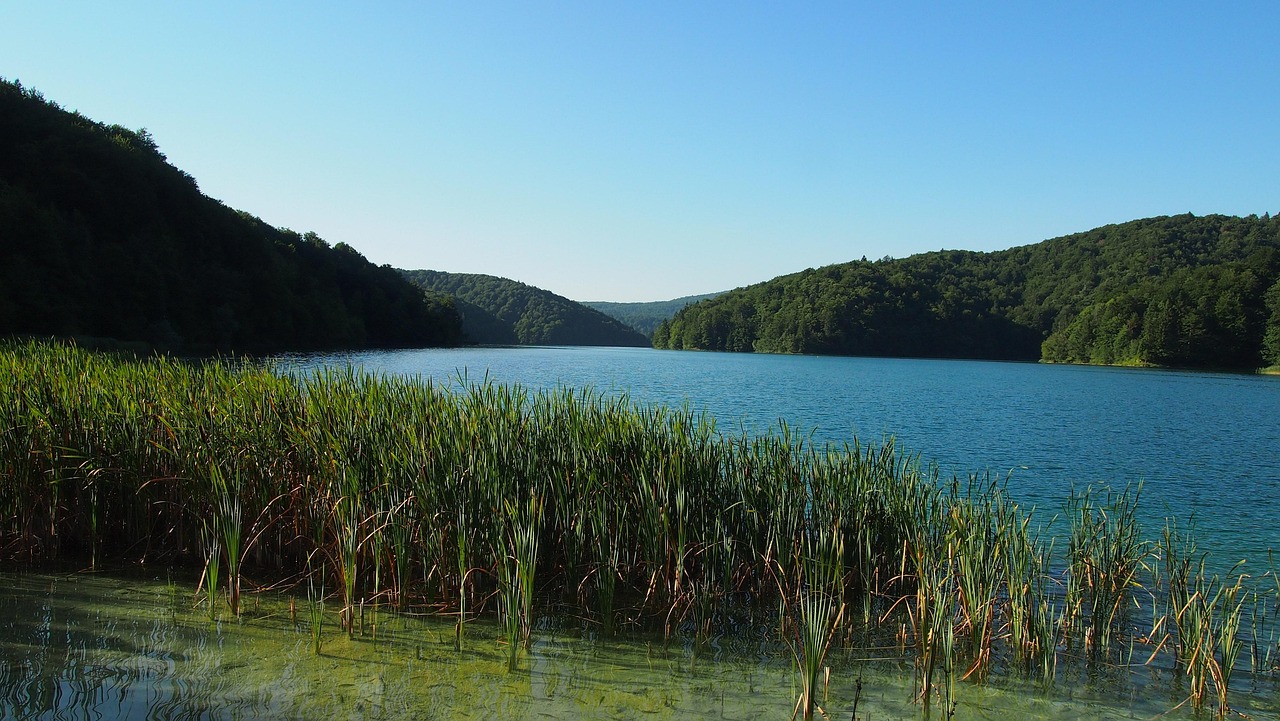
(96, 646)
(1206, 444)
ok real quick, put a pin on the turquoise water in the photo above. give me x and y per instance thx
(138, 646)
(1202, 444)
(100, 646)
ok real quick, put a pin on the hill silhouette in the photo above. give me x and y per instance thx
(101, 237)
(502, 311)
(646, 317)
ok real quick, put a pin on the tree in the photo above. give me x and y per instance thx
(1271, 336)
(102, 237)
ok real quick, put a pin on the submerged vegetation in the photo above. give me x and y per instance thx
(479, 499)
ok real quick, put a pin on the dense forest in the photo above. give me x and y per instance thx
(102, 238)
(506, 312)
(646, 317)
(1180, 291)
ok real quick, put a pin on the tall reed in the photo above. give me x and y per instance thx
(1207, 613)
(449, 496)
(315, 610)
(978, 557)
(1105, 553)
(1264, 619)
(814, 608)
(228, 523)
(517, 571)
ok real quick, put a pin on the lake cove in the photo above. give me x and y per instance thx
(502, 516)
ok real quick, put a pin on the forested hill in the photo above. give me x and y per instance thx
(645, 317)
(1178, 291)
(101, 237)
(501, 311)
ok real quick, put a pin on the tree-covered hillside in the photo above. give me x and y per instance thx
(101, 237)
(646, 317)
(1178, 291)
(501, 311)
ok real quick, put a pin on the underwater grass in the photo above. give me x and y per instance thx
(480, 499)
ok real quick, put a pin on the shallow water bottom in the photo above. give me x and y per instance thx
(111, 647)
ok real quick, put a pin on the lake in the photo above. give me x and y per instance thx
(145, 642)
(1202, 444)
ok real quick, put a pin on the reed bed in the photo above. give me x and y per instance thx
(479, 499)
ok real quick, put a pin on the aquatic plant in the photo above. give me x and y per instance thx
(1024, 585)
(448, 498)
(315, 610)
(227, 523)
(930, 610)
(527, 526)
(975, 544)
(814, 609)
(1264, 619)
(211, 541)
(519, 549)
(1207, 612)
(1105, 553)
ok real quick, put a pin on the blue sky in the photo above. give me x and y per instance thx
(652, 150)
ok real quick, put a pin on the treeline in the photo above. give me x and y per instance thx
(1203, 317)
(102, 238)
(499, 311)
(1179, 291)
(926, 306)
(646, 317)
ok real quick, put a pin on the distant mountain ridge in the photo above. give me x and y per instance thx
(646, 317)
(503, 312)
(101, 237)
(1181, 291)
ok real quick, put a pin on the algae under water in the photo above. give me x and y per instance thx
(122, 647)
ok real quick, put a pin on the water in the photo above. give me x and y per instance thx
(128, 647)
(1204, 445)
(84, 645)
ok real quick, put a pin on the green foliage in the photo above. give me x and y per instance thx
(499, 311)
(101, 237)
(646, 317)
(643, 516)
(1205, 316)
(1271, 336)
(937, 304)
(1181, 291)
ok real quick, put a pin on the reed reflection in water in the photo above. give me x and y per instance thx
(121, 647)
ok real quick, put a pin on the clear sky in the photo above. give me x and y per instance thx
(649, 150)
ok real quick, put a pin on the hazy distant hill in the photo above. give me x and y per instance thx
(1179, 291)
(100, 236)
(502, 311)
(645, 317)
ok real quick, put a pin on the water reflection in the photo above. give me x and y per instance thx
(108, 647)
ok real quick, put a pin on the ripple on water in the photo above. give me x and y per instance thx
(158, 661)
